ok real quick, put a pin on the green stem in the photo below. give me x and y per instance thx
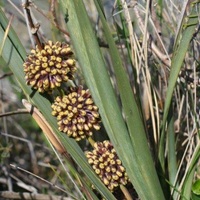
(91, 141)
(125, 192)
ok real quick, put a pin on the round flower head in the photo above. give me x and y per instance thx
(76, 113)
(106, 164)
(46, 69)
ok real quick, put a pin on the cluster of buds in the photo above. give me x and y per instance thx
(76, 113)
(107, 165)
(46, 69)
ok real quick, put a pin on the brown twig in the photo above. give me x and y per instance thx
(20, 111)
(30, 196)
(33, 27)
(5, 75)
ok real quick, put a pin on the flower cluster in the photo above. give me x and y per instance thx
(76, 113)
(106, 164)
(45, 69)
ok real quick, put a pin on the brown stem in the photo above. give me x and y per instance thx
(5, 75)
(34, 28)
(21, 111)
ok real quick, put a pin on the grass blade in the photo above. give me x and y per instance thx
(93, 66)
(143, 159)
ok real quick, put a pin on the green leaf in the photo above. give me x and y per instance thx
(195, 197)
(196, 187)
(189, 176)
(172, 162)
(132, 147)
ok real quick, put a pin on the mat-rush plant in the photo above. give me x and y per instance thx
(148, 151)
